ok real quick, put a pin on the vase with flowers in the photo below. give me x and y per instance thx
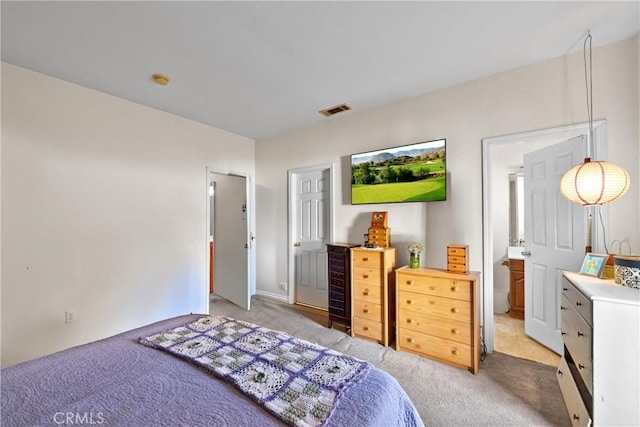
(415, 249)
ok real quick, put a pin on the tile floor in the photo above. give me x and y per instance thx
(509, 338)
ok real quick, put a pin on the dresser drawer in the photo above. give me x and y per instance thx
(577, 337)
(337, 269)
(439, 286)
(336, 293)
(370, 259)
(429, 304)
(338, 250)
(576, 346)
(581, 303)
(441, 348)
(432, 325)
(367, 310)
(457, 268)
(576, 333)
(457, 250)
(367, 276)
(367, 328)
(337, 308)
(456, 259)
(367, 292)
(575, 406)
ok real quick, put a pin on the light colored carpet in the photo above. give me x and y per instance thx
(507, 391)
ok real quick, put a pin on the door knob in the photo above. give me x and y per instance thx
(526, 253)
(297, 244)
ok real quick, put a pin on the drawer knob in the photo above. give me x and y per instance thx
(454, 331)
(580, 334)
(365, 310)
(454, 351)
(409, 301)
(409, 339)
(565, 289)
(409, 282)
(560, 372)
(578, 303)
(365, 276)
(455, 288)
(432, 288)
(365, 292)
(455, 310)
(563, 333)
(581, 366)
(576, 417)
(409, 320)
(365, 259)
(563, 308)
(365, 328)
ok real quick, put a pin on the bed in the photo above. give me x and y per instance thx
(131, 380)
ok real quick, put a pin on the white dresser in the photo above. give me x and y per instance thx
(599, 374)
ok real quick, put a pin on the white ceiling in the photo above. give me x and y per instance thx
(261, 68)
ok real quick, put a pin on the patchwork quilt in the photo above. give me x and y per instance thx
(298, 381)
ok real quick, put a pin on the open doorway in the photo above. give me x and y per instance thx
(503, 156)
(230, 246)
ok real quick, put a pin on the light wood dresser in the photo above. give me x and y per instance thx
(373, 293)
(599, 374)
(438, 315)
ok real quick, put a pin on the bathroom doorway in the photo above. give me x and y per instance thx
(503, 156)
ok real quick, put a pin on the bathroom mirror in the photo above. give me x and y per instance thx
(516, 209)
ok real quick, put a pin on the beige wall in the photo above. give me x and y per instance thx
(103, 201)
(543, 95)
(103, 212)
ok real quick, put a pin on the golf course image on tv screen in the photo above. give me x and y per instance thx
(409, 173)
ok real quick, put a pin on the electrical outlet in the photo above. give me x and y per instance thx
(69, 316)
(283, 286)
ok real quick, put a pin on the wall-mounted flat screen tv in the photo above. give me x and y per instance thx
(409, 173)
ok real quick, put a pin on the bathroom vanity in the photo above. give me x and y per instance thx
(516, 288)
(515, 263)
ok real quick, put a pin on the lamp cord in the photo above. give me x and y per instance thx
(588, 82)
(604, 237)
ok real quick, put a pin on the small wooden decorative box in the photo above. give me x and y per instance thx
(458, 258)
(379, 233)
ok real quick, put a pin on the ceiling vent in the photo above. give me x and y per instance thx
(335, 110)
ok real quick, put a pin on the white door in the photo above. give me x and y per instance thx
(232, 247)
(555, 237)
(311, 225)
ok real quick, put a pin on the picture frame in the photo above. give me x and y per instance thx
(593, 264)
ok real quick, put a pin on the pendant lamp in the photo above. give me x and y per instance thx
(593, 182)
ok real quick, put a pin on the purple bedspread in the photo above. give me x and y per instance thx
(117, 381)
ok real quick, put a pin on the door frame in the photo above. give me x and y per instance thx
(598, 151)
(291, 175)
(251, 227)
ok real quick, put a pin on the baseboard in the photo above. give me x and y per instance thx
(270, 295)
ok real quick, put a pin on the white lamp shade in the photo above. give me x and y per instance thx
(594, 183)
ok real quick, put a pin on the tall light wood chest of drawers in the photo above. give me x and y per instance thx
(599, 374)
(438, 315)
(373, 294)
